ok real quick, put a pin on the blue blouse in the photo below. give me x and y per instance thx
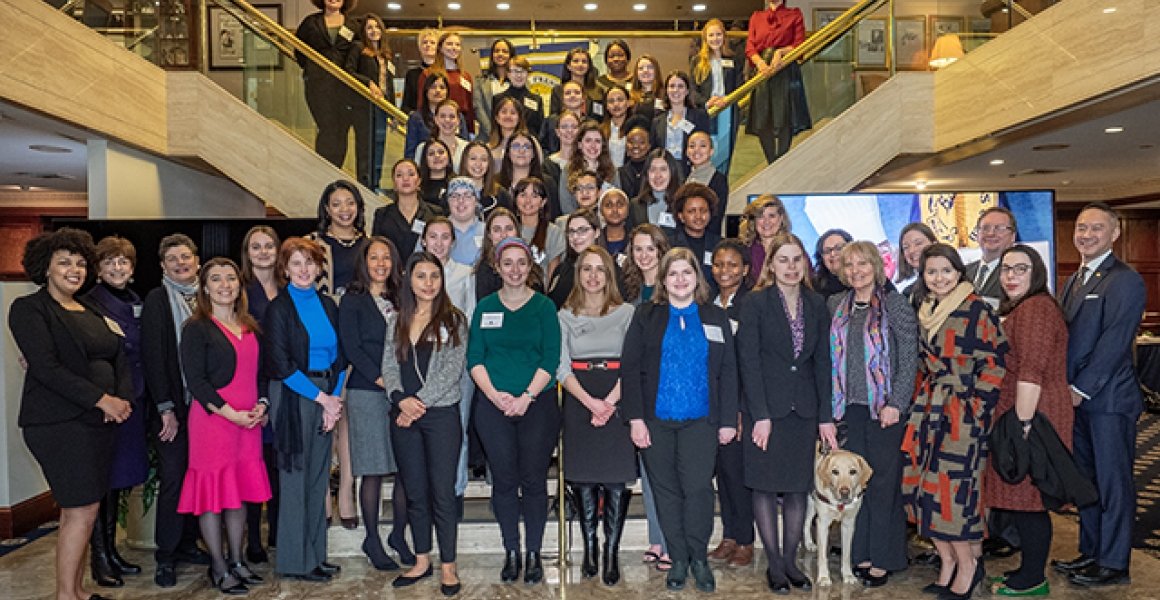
(323, 339)
(683, 390)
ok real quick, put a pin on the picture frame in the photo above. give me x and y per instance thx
(842, 49)
(939, 25)
(911, 51)
(870, 42)
(234, 47)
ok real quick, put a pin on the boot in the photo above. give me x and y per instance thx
(125, 567)
(587, 501)
(104, 573)
(615, 512)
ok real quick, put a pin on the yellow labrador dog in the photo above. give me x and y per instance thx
(840, 479)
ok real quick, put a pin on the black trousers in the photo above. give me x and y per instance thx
(427, 453)
(881, 531)
(519, 450)
(329, 104)
(172, 530)
(735, 499)
(775, 142)
(680, 465)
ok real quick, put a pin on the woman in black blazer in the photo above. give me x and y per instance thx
(783, 346)
(716, 73)
(371, 62)
(75, 390)
(332, 33)
(672, 127)
(678, 412)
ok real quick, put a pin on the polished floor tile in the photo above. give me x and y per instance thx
(28, 573)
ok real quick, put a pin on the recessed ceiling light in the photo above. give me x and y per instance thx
(394, 6)
(454, 5)
(699, 8)
(997, 162)
(640, 7)
(503, 6)
(920, 185)
(1109, 10)
(591, 6)
(1114, 130)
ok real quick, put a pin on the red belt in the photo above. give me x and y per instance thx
(591, 365)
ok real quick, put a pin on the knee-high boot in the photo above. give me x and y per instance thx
(588, 500)
(615, 512)
(104, 573)
(113, 502)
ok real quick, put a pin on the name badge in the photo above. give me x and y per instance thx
(491, 320)
(345, 33)
(659, 104)
(727, 63)
(137, 310)
(708, 257)
(444, 335)
(531, 104)
(620, 258)
(686, 126)
(598, 109)
(478, 241)
(538, 256)
(391, 68)
(666, 220)
(1092, 297)
(713, 334)
(733, 325)
(417, 226)
(114, 327)
(465, 84)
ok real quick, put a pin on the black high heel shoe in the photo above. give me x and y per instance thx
(237, 588)
(511, 567)
(242, 573)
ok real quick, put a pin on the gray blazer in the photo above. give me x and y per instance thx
(448, 364)
(904, 357)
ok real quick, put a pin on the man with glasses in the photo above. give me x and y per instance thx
(995, 231)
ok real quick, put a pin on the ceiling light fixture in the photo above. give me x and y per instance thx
(503, 6)
(699, 8)
(1114, 130)
(640, 7)
(920, 185)
(997, 162)
(1109, 10)
(394, 6)
(454, 5)
(591, 6)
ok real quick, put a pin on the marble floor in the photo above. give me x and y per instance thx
(28, 573)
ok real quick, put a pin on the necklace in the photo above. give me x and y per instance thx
(344, 242)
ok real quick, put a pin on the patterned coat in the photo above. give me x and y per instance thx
(944, 447)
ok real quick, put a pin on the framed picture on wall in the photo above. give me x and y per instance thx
(870, 37)
(910, 49)
(233, 46)
(840, 50)
(940, 25)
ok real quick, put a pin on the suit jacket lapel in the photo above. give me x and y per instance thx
(780, 324)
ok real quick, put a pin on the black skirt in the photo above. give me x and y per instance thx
(596, 454)
(76, 458)
(779, 101)
(787, 464)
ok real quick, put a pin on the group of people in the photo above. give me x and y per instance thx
(449, 108)
(679, 358)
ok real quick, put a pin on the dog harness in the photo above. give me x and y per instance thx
(841, 506)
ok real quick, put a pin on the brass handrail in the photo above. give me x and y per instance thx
(804, 51)
(273, 29)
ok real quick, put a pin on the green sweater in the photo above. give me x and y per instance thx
(511, 345)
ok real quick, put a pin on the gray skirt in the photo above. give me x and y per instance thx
(368, 417)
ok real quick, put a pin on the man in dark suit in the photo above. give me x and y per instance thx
(1103, 304)
(996, 230)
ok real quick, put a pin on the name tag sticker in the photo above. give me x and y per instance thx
(465, 84)
(713, 334)
(493, 320)
(666, 220)
(597, 109)
(733, 325)
(345, 33)
(686, 126)
(444, 335)
(478, 239)
(531, 104)
(708, 257)
(727, 63)
(137, 310)
(417, 226)
(620, 258)
(1092, 297)
(659, 104)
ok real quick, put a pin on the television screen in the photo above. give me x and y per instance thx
(880, 218)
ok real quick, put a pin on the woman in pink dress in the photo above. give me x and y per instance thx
(219, 355)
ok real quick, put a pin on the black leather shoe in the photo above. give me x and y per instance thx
(799, 581)
(407, 581)
(675, 580)
(257, 555)
(242, 573)
(124, 566)
(1097, 576)
(935, 589)
(1079, 563)
(776, 585)
(869, 580)
(511, 567)
(703, 576)
(315, 576)
(329, 568)
(533, 568)
(227, 583)
(192, 556)
(166, 576)
(450, 589)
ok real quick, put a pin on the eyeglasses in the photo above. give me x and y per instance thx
(576, 231)
(587, 187)
(832, 250)
(987, 229)
(521, 147)
(1017, 269)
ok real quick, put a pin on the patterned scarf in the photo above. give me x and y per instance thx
(182, 303)
(876, 348)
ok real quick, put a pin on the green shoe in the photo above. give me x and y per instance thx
(997, 579)
(1040, 590)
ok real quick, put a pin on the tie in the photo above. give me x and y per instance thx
(1080, 280)
(981, 277)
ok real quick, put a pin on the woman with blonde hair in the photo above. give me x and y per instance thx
(459, 83)
(716, 75)
(761, 221)
(427, 40)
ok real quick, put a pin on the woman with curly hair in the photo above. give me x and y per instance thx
(76, 390)
(761, 221)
